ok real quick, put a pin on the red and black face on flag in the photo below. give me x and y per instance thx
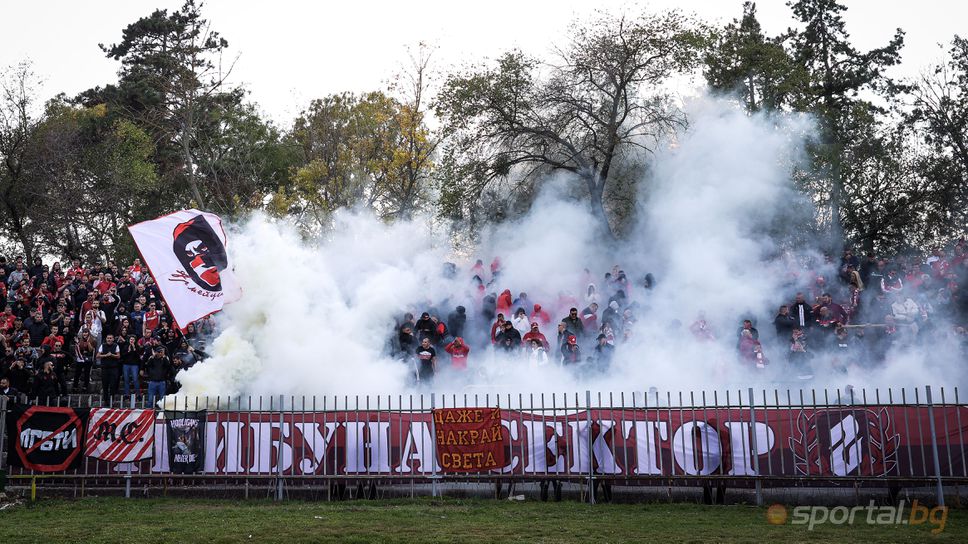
(201, 252)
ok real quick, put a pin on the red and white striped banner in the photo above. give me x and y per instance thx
(120, 435)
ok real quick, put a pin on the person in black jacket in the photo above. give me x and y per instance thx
(603, 352)
(37, 269)
(157, 370)
(456, 321)
(46, 386)
(36, 328)
(111, 306)
(406, 343)
(19, 375)
(126, 289)
(573, 322)
(427, 361)
(109, 355)
(426, 328)
(7, 390)
(802, 312)
(784, 323)
(509, 339)
(130, 365)
(186, 356)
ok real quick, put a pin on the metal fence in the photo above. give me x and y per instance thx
(755, 439)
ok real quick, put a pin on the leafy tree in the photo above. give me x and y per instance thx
(889, 205)
(242, 157)
(171, 77)
(940, 109)
(743, 60)
(18, 124)
(72, 178)
(367, 151)
(600, 104)
(90, 178)
(836, 74)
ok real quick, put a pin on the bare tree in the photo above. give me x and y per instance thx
(407, 190)
(599, 103)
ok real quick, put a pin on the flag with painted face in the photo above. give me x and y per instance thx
(185, 252)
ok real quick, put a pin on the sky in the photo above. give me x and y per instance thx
(290, 52)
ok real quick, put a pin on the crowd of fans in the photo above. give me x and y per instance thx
(63, 324)
(852, 312)
(64, 327)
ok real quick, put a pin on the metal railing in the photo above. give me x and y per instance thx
(756, 439)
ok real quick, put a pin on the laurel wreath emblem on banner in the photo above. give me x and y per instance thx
(862, 436)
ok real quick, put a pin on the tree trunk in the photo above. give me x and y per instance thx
(187, 126)
(28, 246)
(752, 94)
(836, 195)
(597, 203)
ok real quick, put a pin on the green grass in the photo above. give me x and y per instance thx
(425, 520)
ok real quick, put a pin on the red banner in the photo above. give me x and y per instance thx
(635, 443)
(120, 435)
(469, 439)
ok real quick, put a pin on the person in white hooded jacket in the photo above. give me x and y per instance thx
(591, 293)
(905, 310)
(537, 356)
(521, 321)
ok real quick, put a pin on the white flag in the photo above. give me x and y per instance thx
(185, 252)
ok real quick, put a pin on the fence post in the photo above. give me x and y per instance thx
(127, 472)
(591, 460)
(756, 457)
(934, 444)
(434, 492)
(279, 457)
(3, 430)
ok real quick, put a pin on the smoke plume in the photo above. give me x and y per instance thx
(718, 213)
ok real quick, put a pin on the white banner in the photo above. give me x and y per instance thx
(120, 435)
(185, 252)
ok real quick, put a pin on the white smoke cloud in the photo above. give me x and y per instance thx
(315, 317)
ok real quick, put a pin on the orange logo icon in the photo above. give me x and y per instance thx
(776, 514)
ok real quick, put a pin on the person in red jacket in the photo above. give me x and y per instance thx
(495, 267)
(458, 351)
(7, 317)
(135, 270)
(535, 334)
(504, 302)
(478, 269)
(53, 338)
(540, 315)
(76, 270)
(151, 320)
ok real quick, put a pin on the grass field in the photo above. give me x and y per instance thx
(427, 520)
